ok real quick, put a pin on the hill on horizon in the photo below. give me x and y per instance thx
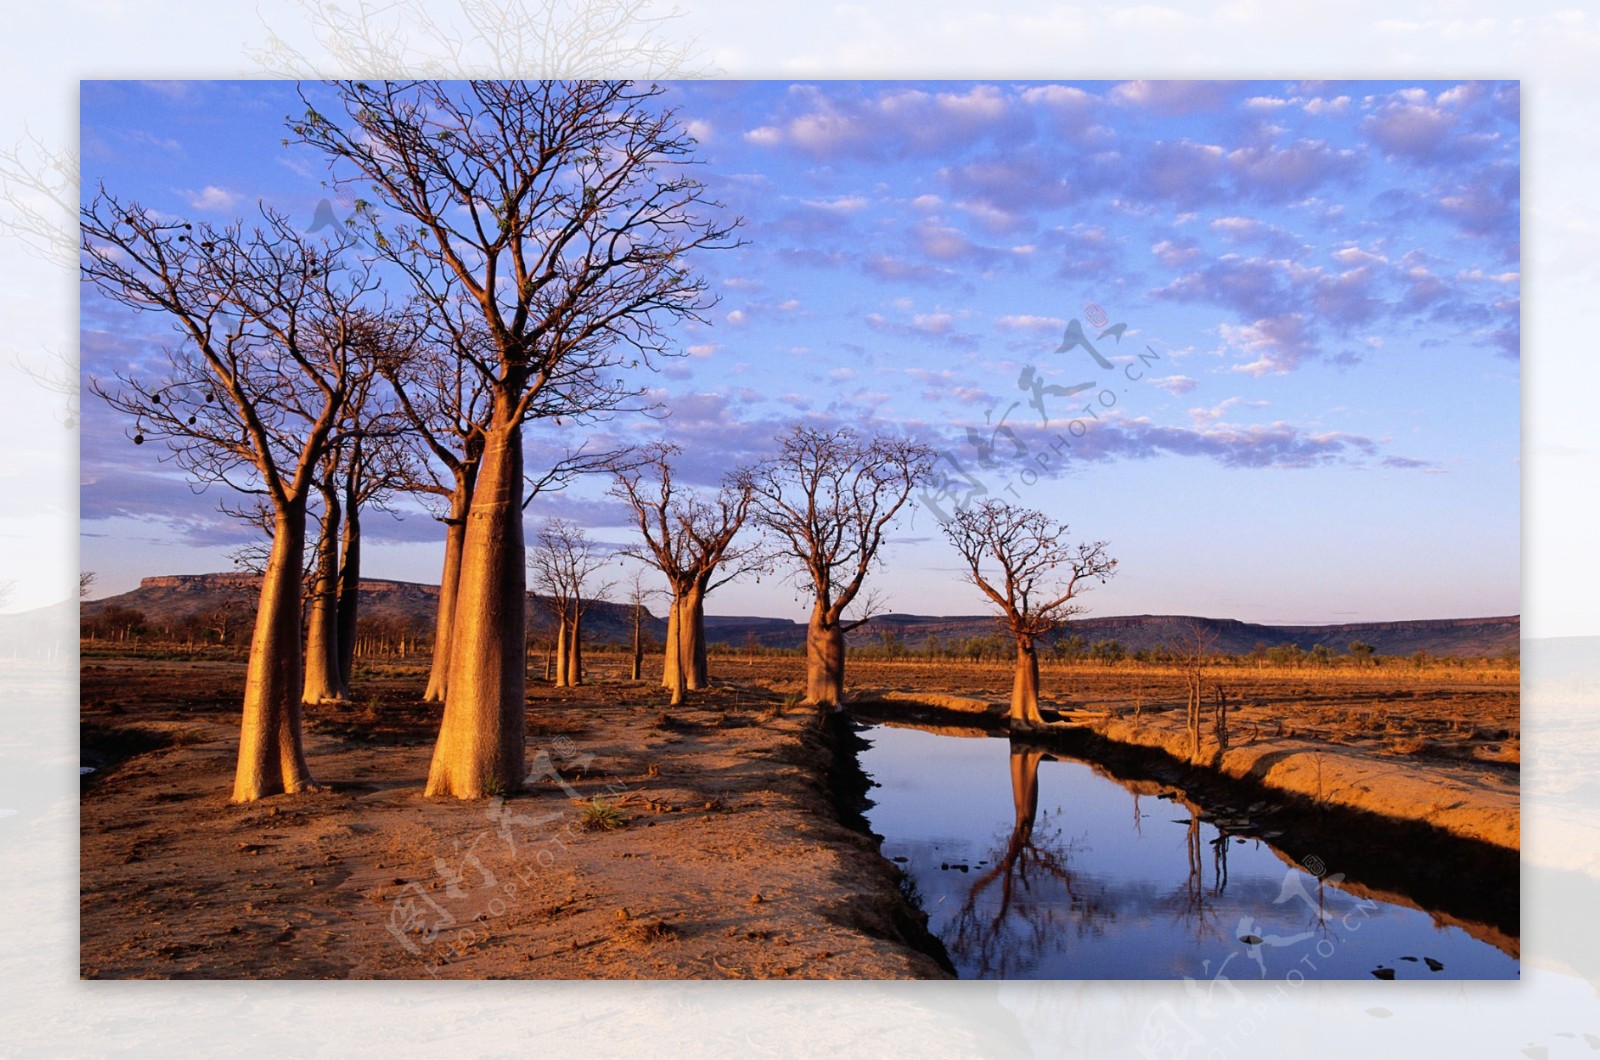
(170, 598)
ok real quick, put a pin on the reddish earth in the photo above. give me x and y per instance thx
(726, 859)
(724, 856)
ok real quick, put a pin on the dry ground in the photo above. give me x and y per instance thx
(727, 860)
(724, 858)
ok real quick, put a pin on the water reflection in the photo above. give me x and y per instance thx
(1084, 889)
(1010, 917)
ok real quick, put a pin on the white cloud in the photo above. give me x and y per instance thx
(212, 198)
(1176, 385)
(1029, 322)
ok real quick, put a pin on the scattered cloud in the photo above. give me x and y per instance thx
(212, 199)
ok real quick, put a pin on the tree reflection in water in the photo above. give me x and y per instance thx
(1022, 907)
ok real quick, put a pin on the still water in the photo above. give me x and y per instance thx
(1034, 867)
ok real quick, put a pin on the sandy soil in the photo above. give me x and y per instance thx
(729, 859)
(726, 859)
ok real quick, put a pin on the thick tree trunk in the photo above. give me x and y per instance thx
(672, 652)
(349, 590)
(322, 625)
(482, 739)
(455, 535)
(1025, 686)
(575, 647)
(694, 645)
(563, 656)
(824, 660)
(271, 756)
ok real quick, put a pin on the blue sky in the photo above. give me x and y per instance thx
(1323, 279)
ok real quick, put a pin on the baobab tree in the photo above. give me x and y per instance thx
(558, 216)
(271, 343)
(446, 404)
(321, 681)
(563, 561)
(689, 539)
(1021, 560)
(355, 474)
(828, 498)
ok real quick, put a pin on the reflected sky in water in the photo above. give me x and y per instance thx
(1036, 868)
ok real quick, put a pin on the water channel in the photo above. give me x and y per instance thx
(1035, 865)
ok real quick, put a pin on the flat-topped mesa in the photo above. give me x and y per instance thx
(200, 581)
(238, 580)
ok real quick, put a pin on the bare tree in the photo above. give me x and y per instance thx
(353, 476)
(1196, 644)
(829, 498)
(557, 216)
(321, 682)
(637, 595)
(376, 465)
(563, 561)
(271, 339)
(1020, 558)
(85, 582)
(446, 402)
(689, 539)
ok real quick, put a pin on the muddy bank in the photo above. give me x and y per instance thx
(700, 842)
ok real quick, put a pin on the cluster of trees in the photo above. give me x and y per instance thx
(534, 240)
(518, 252)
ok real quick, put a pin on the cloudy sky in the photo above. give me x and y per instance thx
(1310, 412)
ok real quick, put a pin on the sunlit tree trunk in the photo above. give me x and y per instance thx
(575, 647)
(271, 755)
(349, 591)
(694, 648)
(686, 639)
(322, 625)
(563, 654)
(670, 653)
(824, 659)
(455, 535)
(482, 738)
(1025, 685)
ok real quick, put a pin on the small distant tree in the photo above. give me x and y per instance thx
(828, 499)
(1021, 560)
(1109, 652)
(1196, 644)
(1361, 652)
(564, 561)
(1285, 655)
(1071, 648)
(1321, 655)
(637, 595)
(85, 583)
